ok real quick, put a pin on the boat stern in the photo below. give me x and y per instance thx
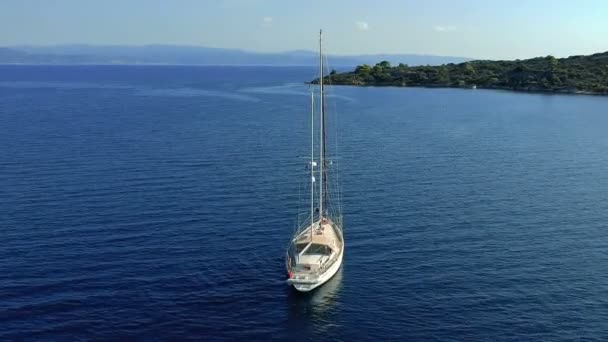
(303, 283)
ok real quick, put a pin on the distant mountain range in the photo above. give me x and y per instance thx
(195, 55)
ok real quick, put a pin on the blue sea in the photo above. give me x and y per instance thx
(156, 202)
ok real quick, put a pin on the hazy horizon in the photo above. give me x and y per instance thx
(473, 28)
(311, 51)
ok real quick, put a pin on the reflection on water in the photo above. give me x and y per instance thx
(193, 92)
(313, 310)
(285, 89)
(297, 89)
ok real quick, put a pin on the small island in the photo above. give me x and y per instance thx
(574, 75)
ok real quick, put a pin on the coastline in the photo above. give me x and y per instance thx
(519, 90)
(577, 75)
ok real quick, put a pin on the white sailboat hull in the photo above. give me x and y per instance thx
(306, 285)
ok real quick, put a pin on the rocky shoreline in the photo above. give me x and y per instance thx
(524, 90)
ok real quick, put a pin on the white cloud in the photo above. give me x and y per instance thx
(444, 28)
(267, 21)
(362, 25)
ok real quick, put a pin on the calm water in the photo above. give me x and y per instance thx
(155, 203)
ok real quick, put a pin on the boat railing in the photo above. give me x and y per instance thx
(304, 221)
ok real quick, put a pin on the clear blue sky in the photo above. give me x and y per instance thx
(497, 29)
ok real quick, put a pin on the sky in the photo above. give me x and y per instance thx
(490, 29)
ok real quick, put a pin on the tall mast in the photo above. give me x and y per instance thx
(312, 162)
(321, 129)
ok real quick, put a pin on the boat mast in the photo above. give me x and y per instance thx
(312, 161)
(321, 130)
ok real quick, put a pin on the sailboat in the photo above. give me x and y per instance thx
(316, 249)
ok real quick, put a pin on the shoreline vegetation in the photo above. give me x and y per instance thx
(572, 75)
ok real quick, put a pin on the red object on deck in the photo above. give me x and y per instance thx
(289, 274)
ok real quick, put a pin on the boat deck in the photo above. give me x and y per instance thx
(323, 235)
(319, 255)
